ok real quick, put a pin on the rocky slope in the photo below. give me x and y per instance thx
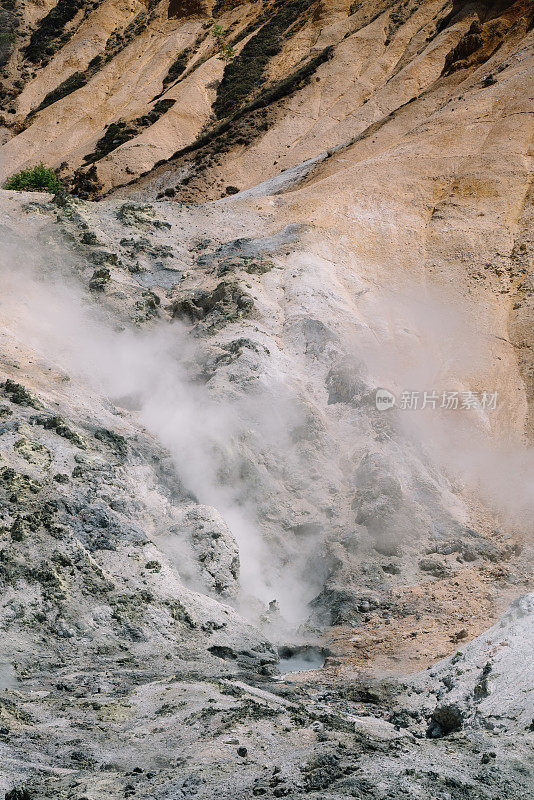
(195, 475)
(307, 76)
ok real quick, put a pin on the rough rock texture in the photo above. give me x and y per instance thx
(194, 464)
(113, 595)
(214, 547)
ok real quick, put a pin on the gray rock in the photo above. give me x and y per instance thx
(214, 546)
(445, 719)
(434, 567)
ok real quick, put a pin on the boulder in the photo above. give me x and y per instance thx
(214, 547)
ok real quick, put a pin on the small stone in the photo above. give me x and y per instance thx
(434, 567)
(242, 751)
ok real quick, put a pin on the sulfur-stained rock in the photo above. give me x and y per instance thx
(33, 452)
(380, 237)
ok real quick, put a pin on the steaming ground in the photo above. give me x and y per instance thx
(194, 471)
(268, 412)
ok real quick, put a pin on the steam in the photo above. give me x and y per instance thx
(433, 342)
(408, 341)
(44, 309)
(149, 371)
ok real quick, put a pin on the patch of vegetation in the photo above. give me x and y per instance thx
(117, 41)
(148, 306)
(69, 85)
(17, 484)
(258, 266)
(166, 709)
(245, 73)
(59, 426)
(230, 689)
(18, 793)
(179, 613)
(185, 8)
(8, 27)
(178, 67)
(7, 37)
(228, 718)
(227, 132)
(293, 82)
(19, 395)
(119, 132)
(52, 27)
(86, 183)
(143, 245)
(220, 7)
(33, 452)
(227, 302)
(321, 770)
(470, 42)
(99, 279)
(130, 606)
(104, 258)
(90, 238)
(18, 529)
(140, 215)
(42, 517)
(398, 17)
(226, 51)
(113, 440)
(11, 709)
(35, 179)
(481, 688)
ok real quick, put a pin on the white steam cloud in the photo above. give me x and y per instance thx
(413, 343)
(48, 313)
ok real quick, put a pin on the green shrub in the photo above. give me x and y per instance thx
(246, 72)
(226, 51)
(35, 179)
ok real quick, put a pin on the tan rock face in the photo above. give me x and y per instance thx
(381, 58)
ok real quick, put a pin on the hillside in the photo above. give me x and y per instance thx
(275, 212)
